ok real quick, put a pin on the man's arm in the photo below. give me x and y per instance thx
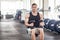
(41, 18)
(26, 19)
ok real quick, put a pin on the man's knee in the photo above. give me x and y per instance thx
(33, 31)
(41, 30)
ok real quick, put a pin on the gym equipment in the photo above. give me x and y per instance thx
(46, 21)
(8, 16)
(22, 21)
(1, 16)
(36, 22)
(18, 14)
(51, 25)
(57, 26)
(32, 21)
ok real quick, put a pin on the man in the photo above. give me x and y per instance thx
(38, 24)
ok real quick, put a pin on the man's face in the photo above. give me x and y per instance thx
(34, 8)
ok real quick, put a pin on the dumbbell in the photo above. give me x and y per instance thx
(33, 21)
(57, 26)
(36, 22)
(46, 21)
(51, 25)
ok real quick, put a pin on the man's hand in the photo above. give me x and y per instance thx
(41, 18)
(32, 24)
(42, 24)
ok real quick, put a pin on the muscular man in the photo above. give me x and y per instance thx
(38, 24)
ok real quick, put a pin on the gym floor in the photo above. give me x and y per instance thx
(13, 30)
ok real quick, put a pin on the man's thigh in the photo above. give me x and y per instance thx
(29, 30)
(41, 30)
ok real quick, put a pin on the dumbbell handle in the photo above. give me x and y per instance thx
(32, 21)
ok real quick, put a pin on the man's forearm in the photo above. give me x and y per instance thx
(27, 24)
(41, 22)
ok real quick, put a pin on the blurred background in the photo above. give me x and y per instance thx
(50, 8)
(12, 16)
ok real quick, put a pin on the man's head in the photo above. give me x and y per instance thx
(34, 7)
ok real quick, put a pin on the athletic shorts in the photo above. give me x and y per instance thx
(29, 30)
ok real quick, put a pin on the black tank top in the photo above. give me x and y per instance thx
(35, 18)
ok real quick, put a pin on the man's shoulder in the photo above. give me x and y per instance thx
(40, 13)
(28, 14)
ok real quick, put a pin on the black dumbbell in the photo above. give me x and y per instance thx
(57, 26)
(32, 21)
(46, 21)
(36, 22)
(51, 25)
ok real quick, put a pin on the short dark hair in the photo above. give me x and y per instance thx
(34, 4)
